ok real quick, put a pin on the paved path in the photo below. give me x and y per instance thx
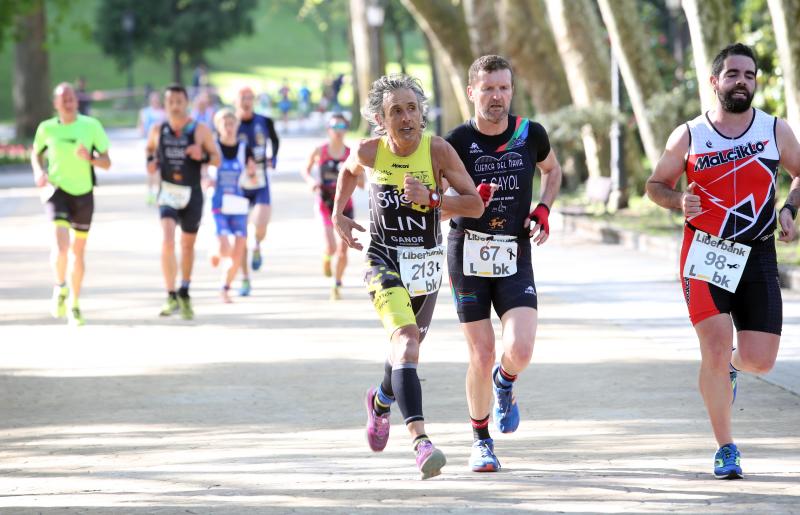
(257, 406)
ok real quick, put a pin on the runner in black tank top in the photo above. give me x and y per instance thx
(176, 150)
(489, 258)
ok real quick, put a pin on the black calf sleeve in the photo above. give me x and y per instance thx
(407, 391)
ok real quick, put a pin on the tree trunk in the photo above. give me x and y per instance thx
(577, 30)
(443, 23)
(449, 115)
(32, 95)
(785, 14)
(637, 67)
(367, 46)
(710, 23)
(528, 43)
(177, 68)
(483, 27)
(356, 120)
(397, 33)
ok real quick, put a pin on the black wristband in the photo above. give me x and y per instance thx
(791, 208)
(150, 158)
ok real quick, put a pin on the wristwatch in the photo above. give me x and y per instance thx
(434, 199)
(792, 210)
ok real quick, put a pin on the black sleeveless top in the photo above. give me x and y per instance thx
(509, 160)
(176, 166)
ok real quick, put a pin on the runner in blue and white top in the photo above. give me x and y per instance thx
(229, 203)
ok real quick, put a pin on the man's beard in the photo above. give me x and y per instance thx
(735, 105)
(495, 116)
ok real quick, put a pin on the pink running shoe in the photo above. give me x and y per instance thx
(430, 460)
(377, 425)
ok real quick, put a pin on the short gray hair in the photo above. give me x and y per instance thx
(388, 84)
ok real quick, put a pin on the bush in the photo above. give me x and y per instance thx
(14, 154)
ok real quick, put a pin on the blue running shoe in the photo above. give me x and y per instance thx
(506, 411)
(482, 458)
(256, 262)
(733, 373)
(726, 463)
(244, 291)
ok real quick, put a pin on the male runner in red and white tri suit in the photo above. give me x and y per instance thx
(730, 278)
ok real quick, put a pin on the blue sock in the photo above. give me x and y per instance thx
(383, 398)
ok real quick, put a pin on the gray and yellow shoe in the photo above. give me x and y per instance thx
(169, 307)
(185, 306)
(75, 318)
(59, 303)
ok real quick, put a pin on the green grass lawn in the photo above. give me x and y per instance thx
(280, 47)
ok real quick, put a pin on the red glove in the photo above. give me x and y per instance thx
(485, 191)
(540, 215)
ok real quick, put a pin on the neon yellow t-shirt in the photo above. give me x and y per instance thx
(65, 169)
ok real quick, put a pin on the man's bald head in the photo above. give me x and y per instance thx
(65, 101)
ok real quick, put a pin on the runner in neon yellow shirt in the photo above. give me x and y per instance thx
(73, 145)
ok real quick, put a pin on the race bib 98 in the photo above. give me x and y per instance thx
(716, 261)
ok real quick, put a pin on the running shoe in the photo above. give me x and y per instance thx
(256, 261)
(726, 463)
(430, 460)
(733, 373)
(335, 293)
(506, 411)
(59, 302)
(482, 458)
(185, 305)
(75, 318)
(169, 307)
(377, 425)
(327, 271)
(244, 291)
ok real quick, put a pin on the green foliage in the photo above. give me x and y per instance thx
(189, 27)
(12, 10)
(564, 126)
(754, 28)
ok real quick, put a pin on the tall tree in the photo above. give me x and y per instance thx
(638, 69)
(444, 25)
(785, 15)
(370, 62)
(32, 99)
(528, 43)
(710, 23)
(186, 28)
(482, 26)
(577, 30)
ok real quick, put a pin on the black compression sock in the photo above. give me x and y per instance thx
(407, 391)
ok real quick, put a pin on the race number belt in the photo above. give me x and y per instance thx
(234, 205)
(716, 261)
(257, 181)
(421, 269)
(488, 255)
(174, 195)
